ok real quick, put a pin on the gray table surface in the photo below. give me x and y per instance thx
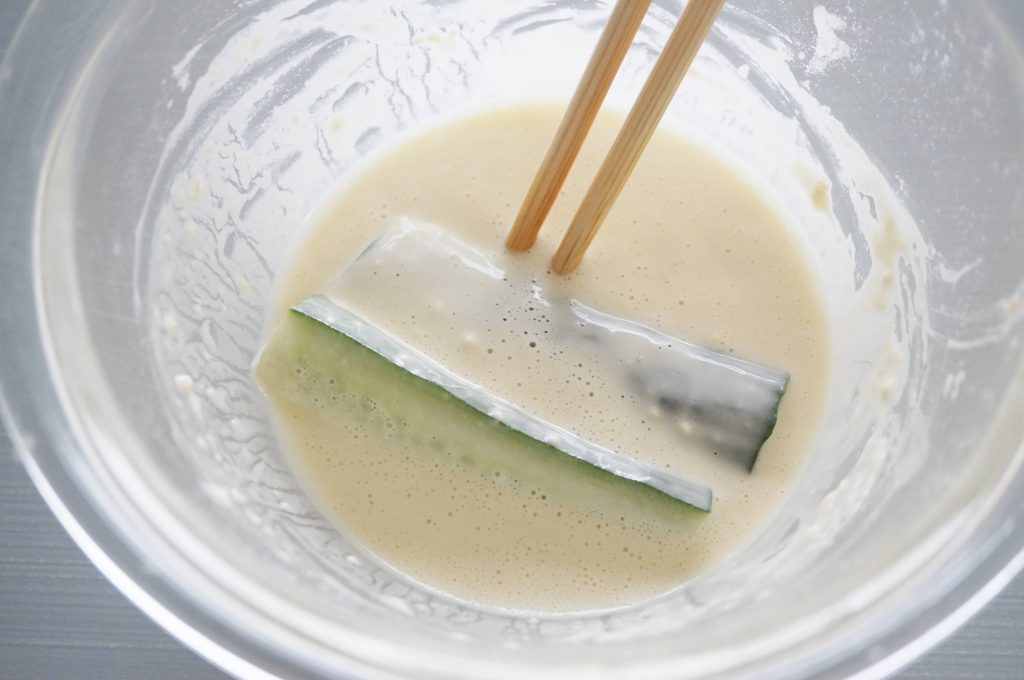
(59, 618)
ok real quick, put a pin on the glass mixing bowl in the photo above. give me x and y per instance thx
(162, 156)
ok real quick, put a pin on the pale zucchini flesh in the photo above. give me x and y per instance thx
(708, 402)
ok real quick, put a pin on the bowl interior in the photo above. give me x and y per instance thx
(200, 137)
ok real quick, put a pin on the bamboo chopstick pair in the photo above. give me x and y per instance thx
(647, 111)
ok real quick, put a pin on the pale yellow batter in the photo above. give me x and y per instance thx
(690, 248)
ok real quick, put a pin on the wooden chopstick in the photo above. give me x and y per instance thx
(650, 106)
(604, 64)
(643, 119)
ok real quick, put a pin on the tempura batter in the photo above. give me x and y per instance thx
(691, 248)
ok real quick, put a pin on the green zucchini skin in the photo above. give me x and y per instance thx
(316, 366)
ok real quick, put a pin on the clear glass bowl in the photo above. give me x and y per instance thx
(160, 157)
